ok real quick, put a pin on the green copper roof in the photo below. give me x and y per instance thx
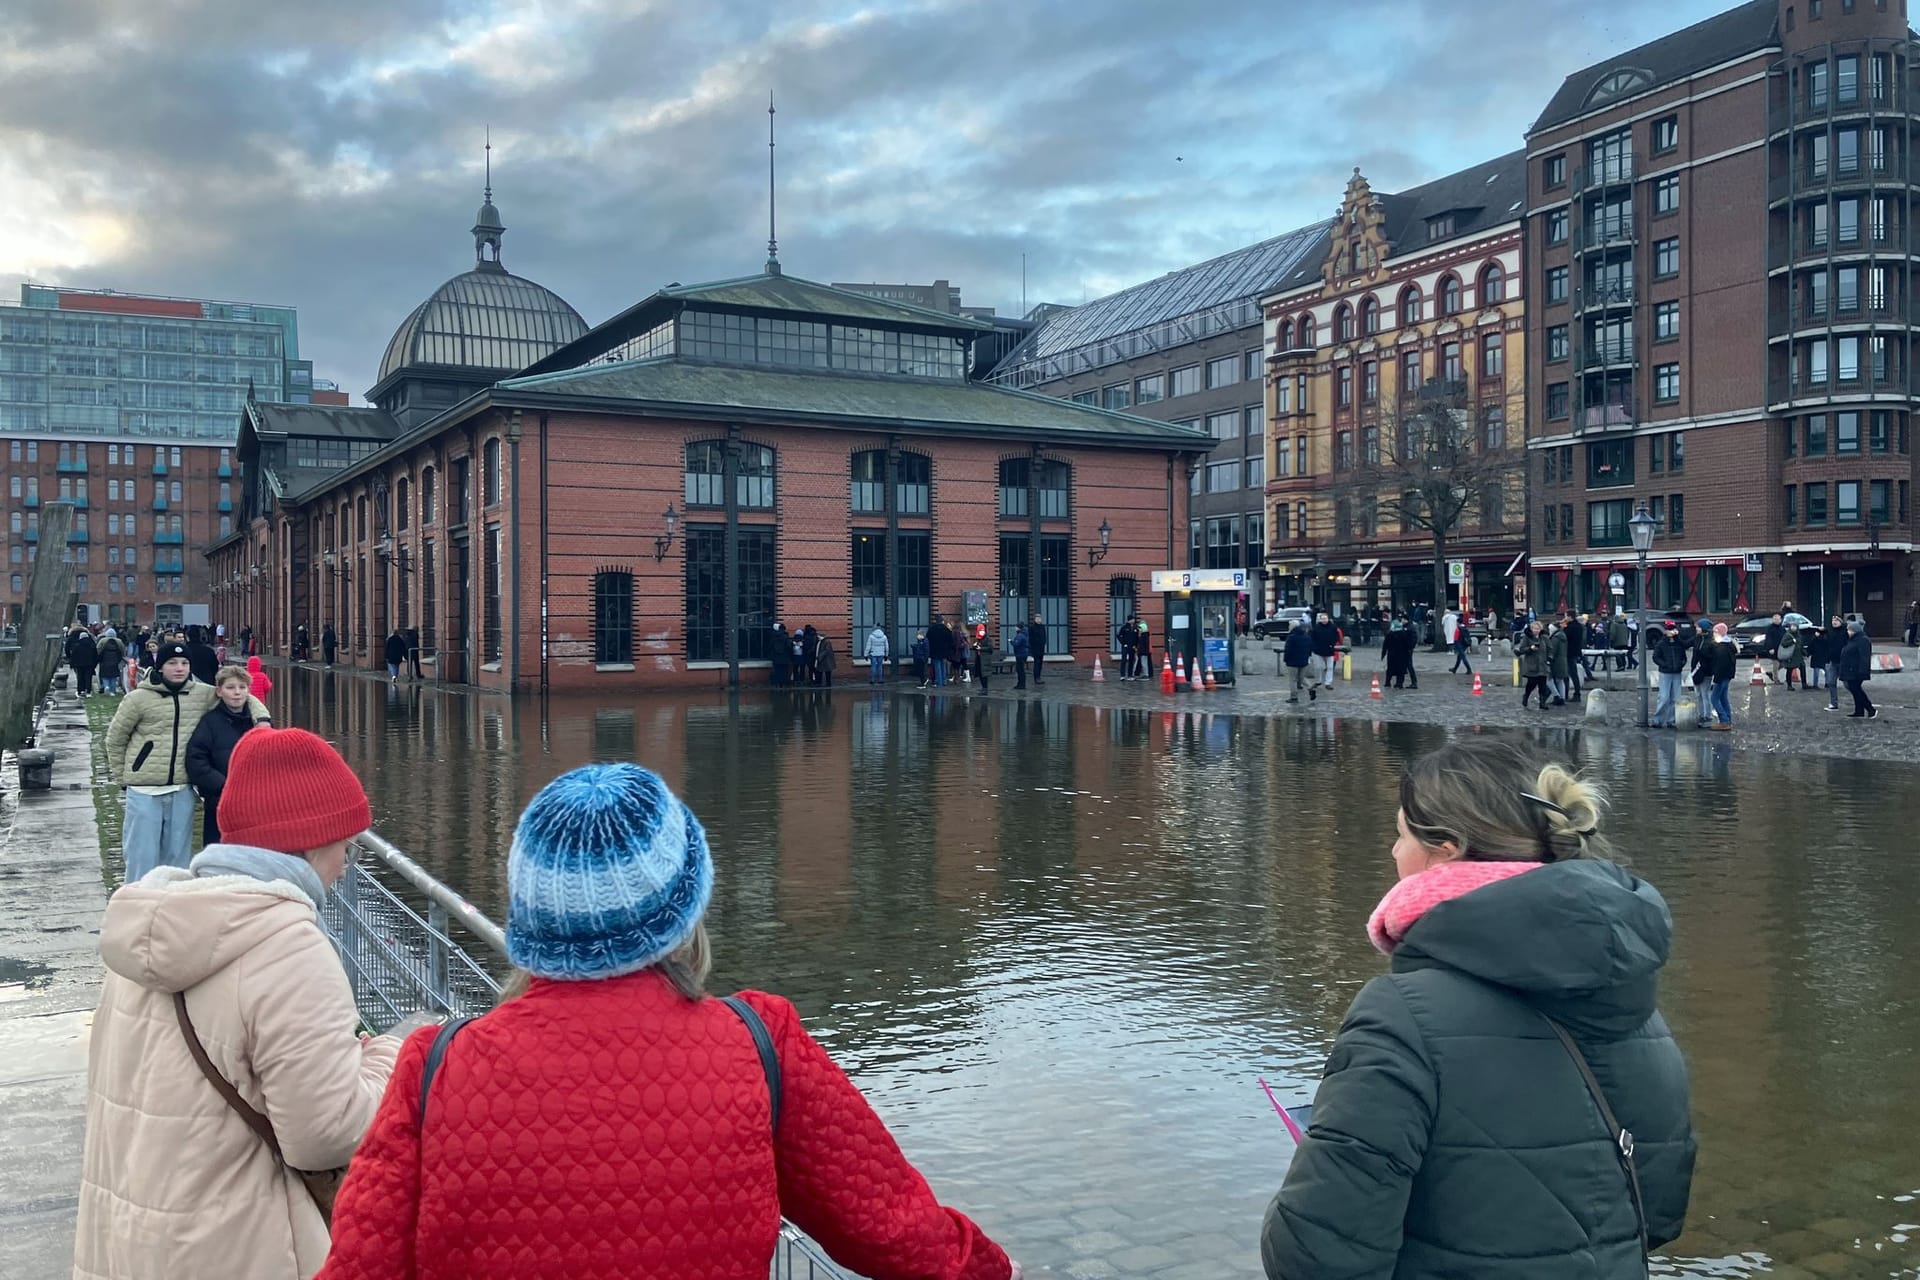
(787, 293)
(697, 389)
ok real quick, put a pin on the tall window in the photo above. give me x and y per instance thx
(1014, 474)
(426, 497)
(706, 594)
(755, 482)
(490, 473)
(1370, 316)
(429, 597)
(1014, 584)
(705, 472)
(1409, 306)
(1450, 296)
(402, 507)
(613, 617)
(1493, 285)
(1054, 483)
(870, 480)
(1342, 323)
(492, 632)
(1493, 356)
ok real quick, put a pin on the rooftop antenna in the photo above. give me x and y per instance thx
(489, 195)
(773, 243)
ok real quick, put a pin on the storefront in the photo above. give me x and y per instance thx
(1199, 616)
(1717, 587)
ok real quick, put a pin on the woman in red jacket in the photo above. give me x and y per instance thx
(609, 1121)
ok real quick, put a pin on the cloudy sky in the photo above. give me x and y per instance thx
(329, 156)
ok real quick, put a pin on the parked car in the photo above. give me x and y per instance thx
(1750, 635)
(1276, 627)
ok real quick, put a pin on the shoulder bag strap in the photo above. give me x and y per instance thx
(1622, 1137)
(255, 1121)
(436, 1053)
(763, 1043)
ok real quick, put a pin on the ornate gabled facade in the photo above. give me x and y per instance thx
(1413, 312)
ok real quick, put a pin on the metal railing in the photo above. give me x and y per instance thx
(405, 940)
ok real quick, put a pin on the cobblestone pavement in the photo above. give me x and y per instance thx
(1767, 718)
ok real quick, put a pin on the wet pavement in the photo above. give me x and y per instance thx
(51, 896)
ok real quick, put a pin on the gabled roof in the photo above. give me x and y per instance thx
(697, 389)
(1740, 31)
(275, 421)
(1484, 196)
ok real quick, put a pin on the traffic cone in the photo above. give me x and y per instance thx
(1478, 692)
(1180, 673)
(1374, 692)
(1166, 674)
(1758, 678)
(1212, 686)
(1099, 676)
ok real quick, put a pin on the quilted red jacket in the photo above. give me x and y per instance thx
(614, 1129)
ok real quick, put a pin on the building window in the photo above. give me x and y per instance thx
(1607, 523)
(1557, 401)
(1256, 365)
(870, 480)
(1223, 477)
(705, 477)
(1116, 397)
(1846, 502)
(1224, 426)
(1666, 194)
(1666, 321)
(913, 484)
(1186, 381)
(1410, 307)
(1306, 334)
(1550, 524)
(1816, 435)
(1666, 383)
(490, 472)
(1792, 505)
(1879, 436)
(1370, 316)
(1370, 382)
(1343, 451)
(1343, 395)
(1342, 323)
(1879, 501)
(1299, 455)
(1450, 296)
(1557, 227)
(1666, 258)
(1557, 278)
(1666, 134)
(1151, 389)
(1282, 457)
(1493, 285)
(1609, 464)
(402, 507)
(1557, 342)
(1223, 372)
(1846, 432)
(1494, 427)
(1439, 228)
(1493, 356)
(1452, 368)
(1015, 474)
(613, 617)
(1256, 421)
(1410, 375)
(1553, 172)
(1816, 504)
(1256, 472)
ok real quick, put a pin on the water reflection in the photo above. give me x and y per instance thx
(1058, 945)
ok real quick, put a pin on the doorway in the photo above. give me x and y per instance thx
(1849, 593)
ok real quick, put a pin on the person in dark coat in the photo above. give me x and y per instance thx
(1020, 657)
(1396, 650)
(413, 651)
(206, 663)
(212, 743)
(940, 648)
(1856, 668)
(1297, 655)
(781, 656)
(1037, 645)
(1326, 642)
(394, 653)
(1723, 660)
(329, 644)
(807, 670)
(1453, 1133)
(83, 655)
(1557, 668)
(1834, 645)
(1770, 649)
(1531, 651)
(113, 662)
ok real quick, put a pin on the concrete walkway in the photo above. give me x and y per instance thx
(51, 897)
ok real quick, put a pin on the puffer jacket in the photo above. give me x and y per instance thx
(1856, 658)
(174, 1182)
(1532, 652)
(600, 1130)
(1452, 1134)
(1557, 647)
(147, 741)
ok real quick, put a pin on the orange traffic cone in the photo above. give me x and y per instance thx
(1212, 686)
(1099, 676)
(1758, 678)
(1478, 691)
(1166, 674)
(1180, 673)
(1374, 692)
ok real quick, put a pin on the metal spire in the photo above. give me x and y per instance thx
(489, 197)
(773, 242)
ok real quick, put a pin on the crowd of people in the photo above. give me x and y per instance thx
(611, 1118)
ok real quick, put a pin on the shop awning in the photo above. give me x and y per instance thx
(1515, 566)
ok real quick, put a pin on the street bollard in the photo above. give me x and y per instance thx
(36, 769)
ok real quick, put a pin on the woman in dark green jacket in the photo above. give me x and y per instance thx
(1453, 1134)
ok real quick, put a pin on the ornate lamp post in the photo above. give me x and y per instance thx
(1642, 526)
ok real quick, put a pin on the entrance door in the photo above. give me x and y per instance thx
(1849, 592)
(1121, 605)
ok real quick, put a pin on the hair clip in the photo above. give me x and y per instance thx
(1545, 803)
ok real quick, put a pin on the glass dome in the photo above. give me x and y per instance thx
(483, 319)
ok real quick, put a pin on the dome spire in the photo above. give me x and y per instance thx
(487, 227)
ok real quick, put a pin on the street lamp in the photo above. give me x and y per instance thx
(1096, 555)
(662, 541)
(1642, 526)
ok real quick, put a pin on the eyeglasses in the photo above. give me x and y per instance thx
(353, 852)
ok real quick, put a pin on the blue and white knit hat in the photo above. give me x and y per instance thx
(609, 872)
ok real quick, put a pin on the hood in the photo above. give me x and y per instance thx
(172, 929)
(1582, 941)
(253, 665)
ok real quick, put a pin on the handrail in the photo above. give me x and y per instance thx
(437, 892)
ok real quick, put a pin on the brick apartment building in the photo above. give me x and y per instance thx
(637, 505)
(1722, 239)
(1186, 348)
(1410, 309)
(123, 405)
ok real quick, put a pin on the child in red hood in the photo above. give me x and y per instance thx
(261, 685)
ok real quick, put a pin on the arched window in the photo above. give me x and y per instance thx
(1370, 316)
(755, 481)
(1055, 481)
(913, 484)
(706, 469)
(870, 480)
(426, 496)
(1286, 335)
(1410, 306)
(402, 504)
(1450, 296)
(1342, 323)
(490, 473)
(1493, 285)
(1306, 333)
(613, 617)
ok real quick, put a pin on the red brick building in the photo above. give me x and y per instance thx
(639, 507)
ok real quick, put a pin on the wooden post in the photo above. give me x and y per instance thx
(49, 610)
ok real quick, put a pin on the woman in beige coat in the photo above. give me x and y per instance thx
(175, 1183)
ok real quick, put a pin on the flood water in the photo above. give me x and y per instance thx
(1058, 947)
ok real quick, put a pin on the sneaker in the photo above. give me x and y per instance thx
(1723, 728)
(1829, 708)
(1313, 695)
(1874, 714)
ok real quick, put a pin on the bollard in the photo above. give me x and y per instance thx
(36, 769)
(1516, 673)
(1596, 700)
(1346, 666)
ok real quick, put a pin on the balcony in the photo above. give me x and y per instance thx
(224, 505)
(159, 468)
(76, 535)
(1603, 297)
(1788, 115)
(33, 500)
(1863, 171)
(1843, 315)
(79, 503)
(1616, 172)
(1608, 231)
(72, 466)
(169, 566)
(1603, 355)
(173, 539)
(1781, 390)
(31, 535)
(1605, 417)
(225, 472)
(159, 504)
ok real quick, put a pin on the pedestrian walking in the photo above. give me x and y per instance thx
(395, 653)
(1670, 660)
(1770, 648)
(261, 685)
(1037, 646)
(413, 650)
(302, 646)
(147, 755)
(223, 992)
(1469, 1122)
(1856, 668)
(1836, 645)
(1724, 662)
(1143, 648)
(824, 661)
(1460, 639)
(1297, 654)
(1559, 670)
(113, 660)
(922, 667)
(83, 655)
(329, 644)
(1021, 652)
(1620, 640)
(1326, 643)
(876, 654)
(527, 1143)
(1913, 624)
(1396, 651)
(1531, 650)
(210, 748)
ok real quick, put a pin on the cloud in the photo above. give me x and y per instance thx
(330, 159)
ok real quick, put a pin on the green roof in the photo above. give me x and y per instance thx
(787, 293)
(698, 389)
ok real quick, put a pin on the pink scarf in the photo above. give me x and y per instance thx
(1418, 894)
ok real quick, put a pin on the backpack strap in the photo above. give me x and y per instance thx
(436, 1053)
(231, 1096)
(1622, 1138)
(763, 1044)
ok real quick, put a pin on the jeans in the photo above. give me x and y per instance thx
(1663, 715)
(1862, 705)
(1460, 658)
(1036, 660)
(939, 671)
(876, 663)
(393, 671)
(1299, 682)
(1325, 661)
(1722, 707)
(158, 831)
(1833, 685)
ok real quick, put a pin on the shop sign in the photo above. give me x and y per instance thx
(1456, 571)
(1200, 580)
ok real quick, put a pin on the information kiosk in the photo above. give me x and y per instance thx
(1199, 617)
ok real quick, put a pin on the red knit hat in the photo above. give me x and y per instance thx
(289, 791)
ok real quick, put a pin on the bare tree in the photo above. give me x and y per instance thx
(1437, 462)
